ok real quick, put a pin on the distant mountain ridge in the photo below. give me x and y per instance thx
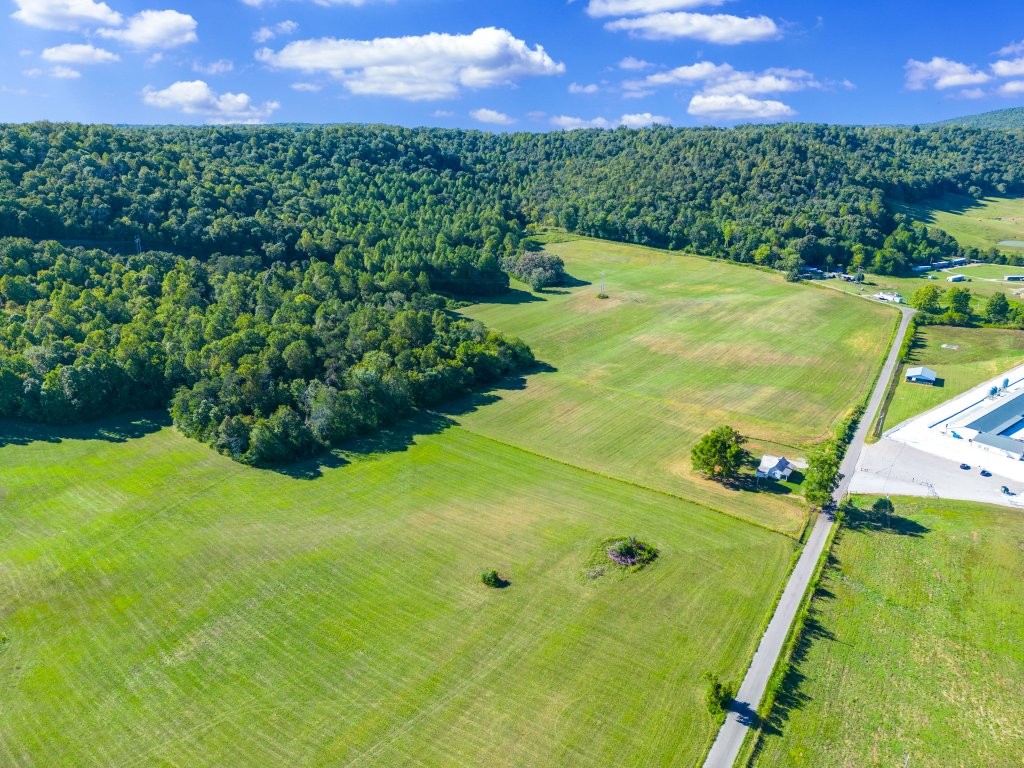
(999, 119)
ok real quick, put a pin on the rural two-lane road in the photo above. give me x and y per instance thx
(741, 716)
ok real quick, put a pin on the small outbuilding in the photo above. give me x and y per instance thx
(921, 375)
(895, 298)
(956, 278)
(775, 467)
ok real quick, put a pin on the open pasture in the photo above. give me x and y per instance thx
(912, 650)
(682, 345)
(978, 223)
(162, 605)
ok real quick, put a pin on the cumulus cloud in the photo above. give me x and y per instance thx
(940, 73)
(598, 8)
(306, 87)
(737, 107)
(589, 89)
(328, 3)
(197, 98)
(1012, 49)
(721, 28)
(1009, 67)
(79, 53)
(634, 64)
(491, 117)
(727, 93)
(263, 34)
(1012, 88)
(154, 29)
(66, 15)
(426, 67)
(570, 123)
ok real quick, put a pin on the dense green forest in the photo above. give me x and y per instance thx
(295, 284)
(1011, 119)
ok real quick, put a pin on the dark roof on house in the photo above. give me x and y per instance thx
(1002, 418)
(1007, 444)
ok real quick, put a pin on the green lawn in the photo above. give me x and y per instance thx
(914, 647)
(682, 345)
(978, 223)
(162, 605)
(980, 289)
(988, 271)
(970, 356)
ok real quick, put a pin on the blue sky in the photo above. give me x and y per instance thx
(508, 64)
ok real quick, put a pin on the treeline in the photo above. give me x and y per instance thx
(264, 364)
(454, 203)
(954, 307)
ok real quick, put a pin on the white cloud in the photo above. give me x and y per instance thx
(634, 64)
(327, 3)
(442, 113)
(643, 120)
(1009, 67)
(588, 89)
(940, 73)
(599, 8)
(218, 67)
(491, 117)
(1012, 88)
(775, 80)
(67, 15)
(433, 66)
(1012, 49)
(719, 28)
(306, 87)
(197, 98)
(263, 34)
(79, 53)
(570, 123)
(737, 107)
(972, 93)
(65, 73)
(155, 29)
(691, 73)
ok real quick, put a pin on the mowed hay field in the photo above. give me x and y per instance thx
(962, 357)
(978, 223)
(682, 345)
(161, 605)
(915, 647)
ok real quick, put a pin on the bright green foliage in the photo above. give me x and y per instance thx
(822, 475)
(997, 308)
(913, 646)
(720, 453)
(719, 695)
(165, 605)
(490, 578)
(927, 298)
(959, 300)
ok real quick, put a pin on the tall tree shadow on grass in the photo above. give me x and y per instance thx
(870, 521)
(113, 429)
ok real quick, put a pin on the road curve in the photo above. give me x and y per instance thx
(741, 716)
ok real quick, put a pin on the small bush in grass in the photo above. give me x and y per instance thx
(602, 295)
(492, 579)
(632, 552)
(719, 695)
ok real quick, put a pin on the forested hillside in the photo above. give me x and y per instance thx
(291, 289)
(1011, 119)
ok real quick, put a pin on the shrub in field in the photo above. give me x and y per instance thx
(719, 695)
(490, 578)
(632, 552)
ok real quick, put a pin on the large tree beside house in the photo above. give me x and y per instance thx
(720, 453)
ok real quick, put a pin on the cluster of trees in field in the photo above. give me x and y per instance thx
(266, 364)
(953, 307)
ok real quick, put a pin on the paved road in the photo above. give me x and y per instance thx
(741, 715)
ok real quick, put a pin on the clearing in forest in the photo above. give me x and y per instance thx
(682, 345)
(978, 223)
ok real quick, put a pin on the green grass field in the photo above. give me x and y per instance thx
(681, 346)
(978, 223)
(988, 272)
(969, 357)
(164, 606)
(914, 647)
(980, 289)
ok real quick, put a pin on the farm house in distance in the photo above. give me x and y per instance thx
(921, 375)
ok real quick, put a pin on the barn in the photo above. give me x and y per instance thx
(921, 375)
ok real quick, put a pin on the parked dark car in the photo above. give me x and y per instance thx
(986, 473)
(1007, 491)
(965, 466)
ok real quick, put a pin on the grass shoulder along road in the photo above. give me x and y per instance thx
(160, 604)
(681, 346)
(912, 646)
